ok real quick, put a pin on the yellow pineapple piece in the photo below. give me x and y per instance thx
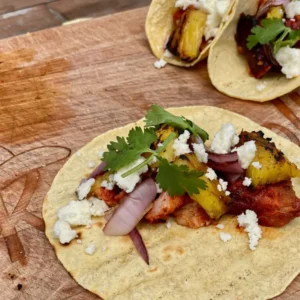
(276, 12)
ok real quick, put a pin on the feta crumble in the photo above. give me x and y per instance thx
(168, 54)
(76, 213)
(292, 9)
(180, 144)
(257, 165)
(64, 232)
(247, 181)
(223, 184)
(158, 188)
(160, 63)
(249, 221)
(227, 193)
(108, 184)
(211, 174)
(200, 152)
(84, 188)
(246, 153)
(91, 164)
(90, 249)
(220, 226)
(128, 183)
(225, 237)
(224, 139)
(289, 60)
(98, 207)
(261, 86)
(168, 224)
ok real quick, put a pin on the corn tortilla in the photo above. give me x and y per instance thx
(159, 25)
(229, 72)
(184, 263)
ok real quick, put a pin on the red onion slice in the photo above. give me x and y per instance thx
(139, 244)
(231, 177)
(233, 167)
(223, 158)
(264, 8)
(99, 170)
(268, 49)
(132, 209)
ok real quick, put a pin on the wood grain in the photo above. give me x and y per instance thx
(60, 88)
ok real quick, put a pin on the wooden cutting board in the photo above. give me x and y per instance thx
(59, 88)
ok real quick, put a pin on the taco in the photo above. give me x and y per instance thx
(257, 56)
(200, 252)
(180, 31)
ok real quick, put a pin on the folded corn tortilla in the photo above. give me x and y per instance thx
(229, 72)
(184, 263)
(159, 26)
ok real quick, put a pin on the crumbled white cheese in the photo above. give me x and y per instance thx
(159, 145)
(108, 184)
(220, 226)
(84, 188)
(219, 187)
(261, 86)
(292, 9)
(64, 232)
(158, 188)
(128, 183)
(160, 63)
(91, 164)
(168, 224)
(199, 4)
(168, 54)
(90, 249)
(257, 165)
(98, 207)
(289, 60)
(247, 181)
(249, 221)
(223, 184)
(246, 153)
(200, 152)
(153, 161)
(79, 241)
(224, 139)
(225, 237)
(180, 144)
(78, 153)
(211, 174)
(100, 154)
(227, 193)
(76, 213)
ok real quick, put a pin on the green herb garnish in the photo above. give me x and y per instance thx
(273, 31)
(157, 116)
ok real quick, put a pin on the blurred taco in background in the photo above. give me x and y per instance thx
(257, 56)
(180, 31)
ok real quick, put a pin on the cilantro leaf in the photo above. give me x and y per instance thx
(157, 115)
(270, 30)
(177, 180)
(124, 152)
(292, 39)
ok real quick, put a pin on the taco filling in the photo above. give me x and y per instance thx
(167, 170)
(270, 40)
(195, 24)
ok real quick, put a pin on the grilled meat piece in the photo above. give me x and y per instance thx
(192, 215)
(257, 58)
(275, 204)
(110, 197)
(163, 207)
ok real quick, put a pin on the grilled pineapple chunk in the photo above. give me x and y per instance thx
(163, 133)
(192, 34)
(211, 200)
(276, 12)
(186, 38)
(274, 168)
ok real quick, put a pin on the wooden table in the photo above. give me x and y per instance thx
(60, 88)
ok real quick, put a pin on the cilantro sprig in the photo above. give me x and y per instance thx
(174, 179)
(273, 31)
(178, 180)
(157, 116)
